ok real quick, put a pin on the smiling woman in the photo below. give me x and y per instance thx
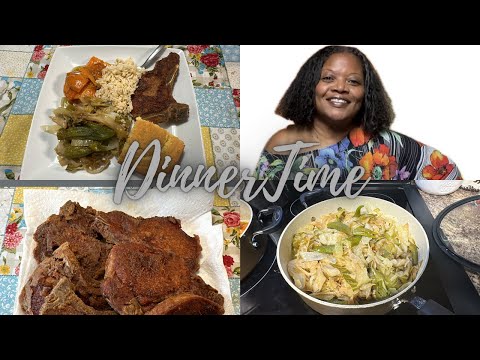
(340, 107)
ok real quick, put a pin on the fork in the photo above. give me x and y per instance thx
(159, 50)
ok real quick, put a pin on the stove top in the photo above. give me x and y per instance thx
(264, 291)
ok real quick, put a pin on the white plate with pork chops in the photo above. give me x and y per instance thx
(40, 160)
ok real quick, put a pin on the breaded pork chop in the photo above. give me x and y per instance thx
(187, 304)
(138, 277)
(73, 221)
(62, 300)
(162, 233)
(153, 99)
(62, 264)
(149, 266)
(90, 252)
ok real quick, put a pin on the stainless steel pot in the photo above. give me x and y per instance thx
(284, 252)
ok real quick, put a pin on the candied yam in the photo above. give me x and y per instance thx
(95, 66)
(76, 81)
(86, 72)
(89, 90)
(69, 93)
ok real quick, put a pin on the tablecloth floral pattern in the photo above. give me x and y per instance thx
(22, 70)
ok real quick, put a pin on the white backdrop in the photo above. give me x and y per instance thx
(435, 91)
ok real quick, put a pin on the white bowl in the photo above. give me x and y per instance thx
(438, 187)
(284, 252)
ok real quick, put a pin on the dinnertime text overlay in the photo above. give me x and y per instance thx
(205, 177)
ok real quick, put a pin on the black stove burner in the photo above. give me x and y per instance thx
(265, 260)
(308, 199)
(264, 291)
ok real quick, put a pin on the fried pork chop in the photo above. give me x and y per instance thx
(74, 224)
(187, 304)
(62, 300)
(153, 99)
(138, 277)
(62, 264)
(162, 233)
(91, 260)
(73, 221)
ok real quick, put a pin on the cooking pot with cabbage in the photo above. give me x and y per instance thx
(353, 256)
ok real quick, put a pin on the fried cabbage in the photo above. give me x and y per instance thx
(90, 134)
(353, 257)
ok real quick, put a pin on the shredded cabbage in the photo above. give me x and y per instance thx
(90, 134)
(353, 257)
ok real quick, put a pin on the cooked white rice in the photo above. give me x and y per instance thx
(118, 83)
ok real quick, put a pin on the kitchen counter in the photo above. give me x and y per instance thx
(436, 203)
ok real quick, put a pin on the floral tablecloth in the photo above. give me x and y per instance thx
(215, 73)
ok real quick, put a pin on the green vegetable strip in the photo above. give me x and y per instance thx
(414, 250)
(324, 249)
(337, 225)
(363, 232)
(357, 212)
(355, 239)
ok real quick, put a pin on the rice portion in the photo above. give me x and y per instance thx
(118, 83)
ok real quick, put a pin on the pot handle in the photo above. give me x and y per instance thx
(277, 213)
(304, 197)
(429, 307)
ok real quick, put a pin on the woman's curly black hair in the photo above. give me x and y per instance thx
(298, 103)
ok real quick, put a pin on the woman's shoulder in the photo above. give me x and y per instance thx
(288, 135)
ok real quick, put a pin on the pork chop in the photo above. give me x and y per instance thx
(162, 233)
(187, 304)
(153, 99)
(62, 264)
(93, 261)
(62, 300)
(73, 221)
(138, 277)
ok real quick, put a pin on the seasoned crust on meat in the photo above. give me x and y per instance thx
(162, 233)
(153, 99)
(62, 264)
(73, 225)
(93, 261)
(139, 277)
(62, 300)
(187, 304)
(73, 221)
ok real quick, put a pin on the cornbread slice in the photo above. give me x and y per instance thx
(145, 132)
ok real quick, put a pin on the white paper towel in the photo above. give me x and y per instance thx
(192, 208)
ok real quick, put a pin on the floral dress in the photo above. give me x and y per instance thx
(388, 156)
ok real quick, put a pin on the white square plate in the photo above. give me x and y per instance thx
(40, 160)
